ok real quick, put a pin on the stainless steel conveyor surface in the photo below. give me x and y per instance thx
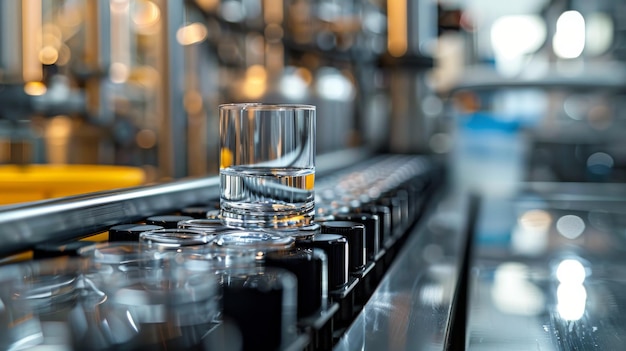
(412, 307)
(547, 270)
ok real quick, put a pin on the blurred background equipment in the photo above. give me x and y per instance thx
(552, 73)
(420, 103)
(137, 82)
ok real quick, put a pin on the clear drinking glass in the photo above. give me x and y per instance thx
(267, 165)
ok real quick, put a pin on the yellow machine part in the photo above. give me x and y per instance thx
(21, 183)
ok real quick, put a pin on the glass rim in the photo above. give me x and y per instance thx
(206, 225)
(174, 238)
(252, 238)
(262, 106)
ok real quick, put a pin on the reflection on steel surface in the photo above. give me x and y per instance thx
(411, 308)
(567, 294)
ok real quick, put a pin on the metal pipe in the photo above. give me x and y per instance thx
(31, 30)
(173, 118)
(98, 54)
(58, 220)
(11, 40)
(422, 27)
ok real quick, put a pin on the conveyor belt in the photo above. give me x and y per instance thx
(24, 226)
(410, 241)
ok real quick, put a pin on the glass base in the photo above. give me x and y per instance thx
(267, 220)
(261, 197)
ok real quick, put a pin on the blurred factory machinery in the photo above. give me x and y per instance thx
(476, 132)
(137, 82)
